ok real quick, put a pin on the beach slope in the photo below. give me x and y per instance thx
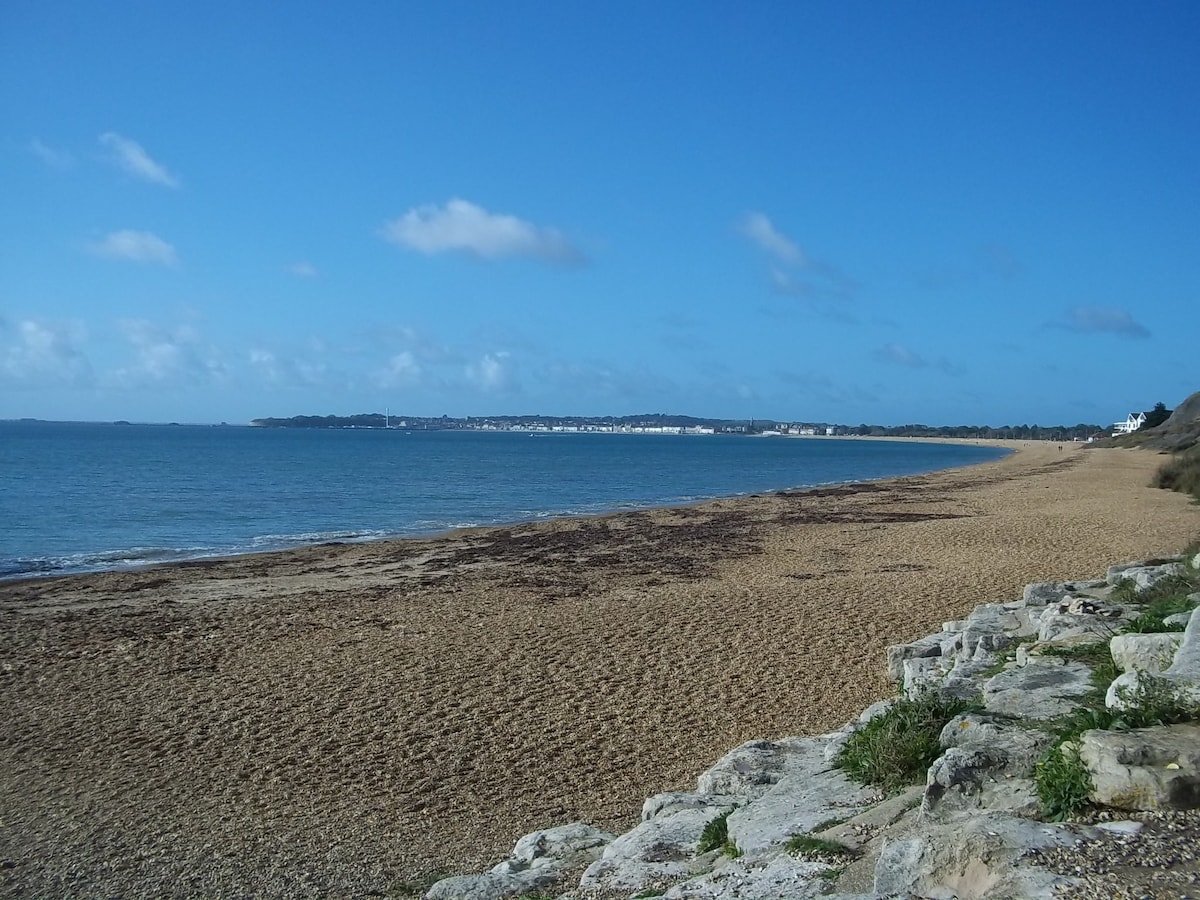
(339, 720)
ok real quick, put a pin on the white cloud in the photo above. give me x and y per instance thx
(463, 226)
(39, 353)
(493, 372)
(303, 269)
(899, 355)
(138, 246)
(130, 156)
(758, 228)
(51, 156)
(402, 370)
(164, 356)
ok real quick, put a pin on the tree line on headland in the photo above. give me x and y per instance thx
(1079, 432)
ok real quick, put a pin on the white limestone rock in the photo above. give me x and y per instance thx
(1044, 688)
(1043, 593)
(955, 780)
(1132, 688)
(1061, 626)
(1149, 769)
(1142, 575)
(974, 855)
(1145, 652)
(749, 770)
(659, 851)
(930, 645)
(1181, 678)
(487, 886)
(1016, 748)
(997, 625)
(671, 802)
(924, 674)
(538, 860)
(810, 793)
(781, 876)
(1184, 617)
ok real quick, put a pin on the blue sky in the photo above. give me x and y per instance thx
(851, 212)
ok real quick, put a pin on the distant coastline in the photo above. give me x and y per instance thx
(661, 423)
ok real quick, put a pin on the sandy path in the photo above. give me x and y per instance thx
(333, 721)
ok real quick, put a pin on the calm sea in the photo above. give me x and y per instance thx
(84, 497)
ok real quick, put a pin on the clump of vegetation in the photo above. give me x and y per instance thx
(1063, 781)
(1180, 473)
(1156, 702)
(715, 835)
(895, 749)
(830, 823)
(810, 847)
(1162, 599)
(1124, 591)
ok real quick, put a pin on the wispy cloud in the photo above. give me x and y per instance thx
(167, 356)
(899, 355)
(793, 272)
(37, 353)
(759, 229)
(288, 372)
(138, 246)
(464, 227)
(303, 269)
(51, 156)
(1100, 320)
(493, 372)
(400, 370)
(129, 155)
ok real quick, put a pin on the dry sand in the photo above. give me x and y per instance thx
(338, 720)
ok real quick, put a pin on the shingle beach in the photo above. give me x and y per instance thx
(342, 720)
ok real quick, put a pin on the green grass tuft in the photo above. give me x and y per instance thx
(716, 833)
(808, 846)
(895, 749)
(830, 823)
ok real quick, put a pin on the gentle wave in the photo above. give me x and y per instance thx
(141, 557)
(132, 557)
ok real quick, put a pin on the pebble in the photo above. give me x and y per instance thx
(1157, 860)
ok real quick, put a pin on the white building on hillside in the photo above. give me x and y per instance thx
(1130, 425)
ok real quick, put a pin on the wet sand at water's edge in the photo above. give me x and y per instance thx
(336, 720)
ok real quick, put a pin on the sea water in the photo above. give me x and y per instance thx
(80, 497)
